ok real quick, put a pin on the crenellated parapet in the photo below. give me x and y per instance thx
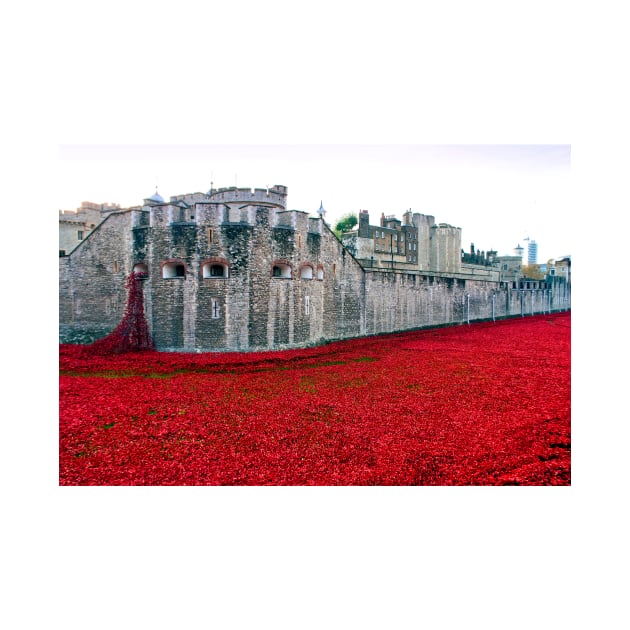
(217, 207)
(276, 195)
(445, 248)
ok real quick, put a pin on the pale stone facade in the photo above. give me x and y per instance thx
(510, 268)
(76, 225)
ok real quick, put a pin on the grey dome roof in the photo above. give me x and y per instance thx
(158, 198)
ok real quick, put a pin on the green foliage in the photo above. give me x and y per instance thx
(345, 224)
(533, 272)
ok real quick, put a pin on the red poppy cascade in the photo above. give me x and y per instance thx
(132, 334)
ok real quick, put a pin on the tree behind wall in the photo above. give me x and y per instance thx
(533, 272)
(345, 224)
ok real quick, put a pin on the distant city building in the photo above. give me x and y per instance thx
(532, 252)
(416, 242)
(486, 259)
(510, 267)
(560, 268)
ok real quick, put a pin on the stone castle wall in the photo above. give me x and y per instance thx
(318, 292)
(92, 292)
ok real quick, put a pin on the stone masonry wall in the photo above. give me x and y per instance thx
(445, 249)
(322, 294)
(92, 293)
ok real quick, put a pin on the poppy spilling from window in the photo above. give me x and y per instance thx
(132, 334)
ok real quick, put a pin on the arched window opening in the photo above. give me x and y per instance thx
(320, 273)
(141, 269)
(215, 270)
(306, 272)
(173, 270)
(281, 270)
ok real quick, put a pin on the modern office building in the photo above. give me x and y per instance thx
(532, 252)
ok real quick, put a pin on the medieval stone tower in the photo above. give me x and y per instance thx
(233, 269)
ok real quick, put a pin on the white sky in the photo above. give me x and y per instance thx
(497, 194)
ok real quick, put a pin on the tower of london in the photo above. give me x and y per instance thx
(234, 270)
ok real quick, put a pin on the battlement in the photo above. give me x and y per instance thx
(216, 213)
(444, 226)
(190, 198)
(276, 195)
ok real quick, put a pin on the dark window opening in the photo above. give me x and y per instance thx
(174, 270)
(215, 270)
(281, 271)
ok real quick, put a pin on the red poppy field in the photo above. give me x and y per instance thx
(480, 404)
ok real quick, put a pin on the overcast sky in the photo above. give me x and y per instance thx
(497, 194)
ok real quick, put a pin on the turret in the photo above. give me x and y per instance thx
(154, 200)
